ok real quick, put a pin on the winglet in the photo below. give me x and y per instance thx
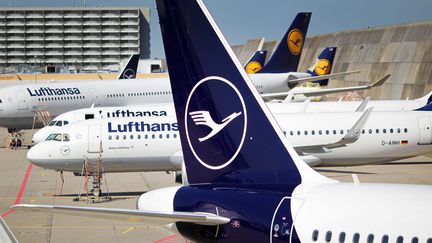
(363, 105)
(129, 71)
(354, 133)
(380, 81)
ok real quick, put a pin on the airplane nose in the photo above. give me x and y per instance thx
(40, 155)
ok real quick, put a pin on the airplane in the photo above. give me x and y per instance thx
(19, 104)
(246, 183)
(331, 142)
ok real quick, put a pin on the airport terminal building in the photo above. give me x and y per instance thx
(72, 39)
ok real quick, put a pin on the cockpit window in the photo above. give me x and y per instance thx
(51, 136)
(59, 137)
(59, 123)
(52, 123)
(0, 101)
(65, 122)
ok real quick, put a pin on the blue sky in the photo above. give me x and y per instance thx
(241, 20)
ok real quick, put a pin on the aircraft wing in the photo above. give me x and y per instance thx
(319, 92)
(6, 235)
(321, 77)
(351, 137)
(129, 215)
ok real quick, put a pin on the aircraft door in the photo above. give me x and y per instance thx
(282, 226)
(94, 139)
(22, 102)
(425, 130)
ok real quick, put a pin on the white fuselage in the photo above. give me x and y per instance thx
(129, 147)
(19, 103)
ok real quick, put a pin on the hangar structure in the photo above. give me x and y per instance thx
(77, 39)
(404, 50)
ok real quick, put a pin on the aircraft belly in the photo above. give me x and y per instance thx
(19, 122)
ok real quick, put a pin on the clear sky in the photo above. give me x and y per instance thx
(241, 20)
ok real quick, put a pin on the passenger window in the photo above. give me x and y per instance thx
(356, 238)
(315, 235)
(342, 236)
(153, 136)
(334, 132)
(370, 131)
(341, 131)
(124, 137)
(131, 137)
(384, 130)
(168, 136)
(328, 236)
(370, 238)
(414, 240)
(327, 132)
(298, 133)
(160, 136)
(284, 132)
(175, 135)
(65, 137)
(363, 131)
(291, 133)
(377, 131)
(117, 137)
(320, 132)
(1, 101)
(406, 130)
(139, 136)
(399, 239)
(109, 137)
(391, 130)
(305, 132)
(398, 130)
(385, 239)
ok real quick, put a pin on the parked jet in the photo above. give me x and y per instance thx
(19, 104)
(246, 183)
(144, 133)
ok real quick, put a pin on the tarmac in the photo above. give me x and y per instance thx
(20, 182)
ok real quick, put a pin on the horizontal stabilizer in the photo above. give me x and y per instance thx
(129, 215)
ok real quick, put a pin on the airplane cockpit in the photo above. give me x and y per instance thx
(58, 123)
(60, 137)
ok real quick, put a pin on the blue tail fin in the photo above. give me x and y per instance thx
(256, 62)
(323, 65)
(227, 133)
(427, 107)
(130, 70)
(286, 57)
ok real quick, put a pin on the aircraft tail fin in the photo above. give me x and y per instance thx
(228, 135)
(323, 65)
(286, 57)
(129, 71)
(256, 62)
